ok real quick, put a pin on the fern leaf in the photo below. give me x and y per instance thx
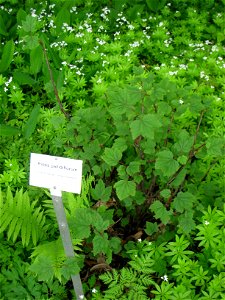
(12, 227)
(20, 217)
(17, 229)
(6, 219)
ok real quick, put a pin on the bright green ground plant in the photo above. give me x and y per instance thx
(183, 273)
(136, 92)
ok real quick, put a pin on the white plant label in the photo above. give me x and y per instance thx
(56, 173)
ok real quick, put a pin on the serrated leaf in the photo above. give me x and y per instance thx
(43, 268)
(186, 222)
(215, 146)
(31, 122)
(166, 193)
(145, 126)
(112, 156)
(100, 244)
(100, 192)
(115, 244)
(183, 201)
(6, 130)
(151, 228)
(125, 188)
(30, 24)
(70, 267)
(123, 99)
(184, 143)
(7, 56)
(120, 144)
(160, 212)
(166, 163)
(80, 223)
(134, 167)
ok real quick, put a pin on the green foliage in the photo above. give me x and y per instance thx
(31, 122)
(135, 90)
(20, 217)
(49, 262)
(7, 56)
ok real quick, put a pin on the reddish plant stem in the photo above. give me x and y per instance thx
(53, 82)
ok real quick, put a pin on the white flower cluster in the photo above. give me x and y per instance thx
(204, 76)
(7, 84)
(58, 44)
(5, 9)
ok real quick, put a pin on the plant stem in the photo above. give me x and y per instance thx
(53, 82)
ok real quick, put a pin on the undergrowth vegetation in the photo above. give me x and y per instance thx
(136, 91)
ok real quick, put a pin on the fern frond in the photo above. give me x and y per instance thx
(110, 277)
(21, 218)
(79, 201)
(143, 264)
(127, 276)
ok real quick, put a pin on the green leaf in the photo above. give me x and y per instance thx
(166, 193)
(43, 268)
(183, 201)
(115, 244)
(100, 244)
(134, 167)
(6, 130)
(31, 42)
(36, 59)
(166, 163)
(112, 156)
(182, 159)
(100, 192)
(184, 143)
(125, 188)
(30, 24)
(145, 126)
(120, 144)
(7, 56)
(160, 212)
(215, 146)
(23, 78)
(151, 228)
(155, 5)
(2, 27)
(80, 223)
(123, 100)
(63, 16)
(31, 122)
(70, 267)
(186, 222)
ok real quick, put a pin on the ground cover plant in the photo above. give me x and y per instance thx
(137, 92)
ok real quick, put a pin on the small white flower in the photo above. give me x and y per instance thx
(139, 240)
(181, 101)
(81, 296)
(165, 278)
(206, 222)
(94, 291)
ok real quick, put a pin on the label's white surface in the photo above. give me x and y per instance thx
(56, 173)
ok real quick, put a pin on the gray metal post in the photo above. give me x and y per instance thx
(67, 242)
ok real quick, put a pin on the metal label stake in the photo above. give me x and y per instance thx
(59, 174)
(66, 239)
